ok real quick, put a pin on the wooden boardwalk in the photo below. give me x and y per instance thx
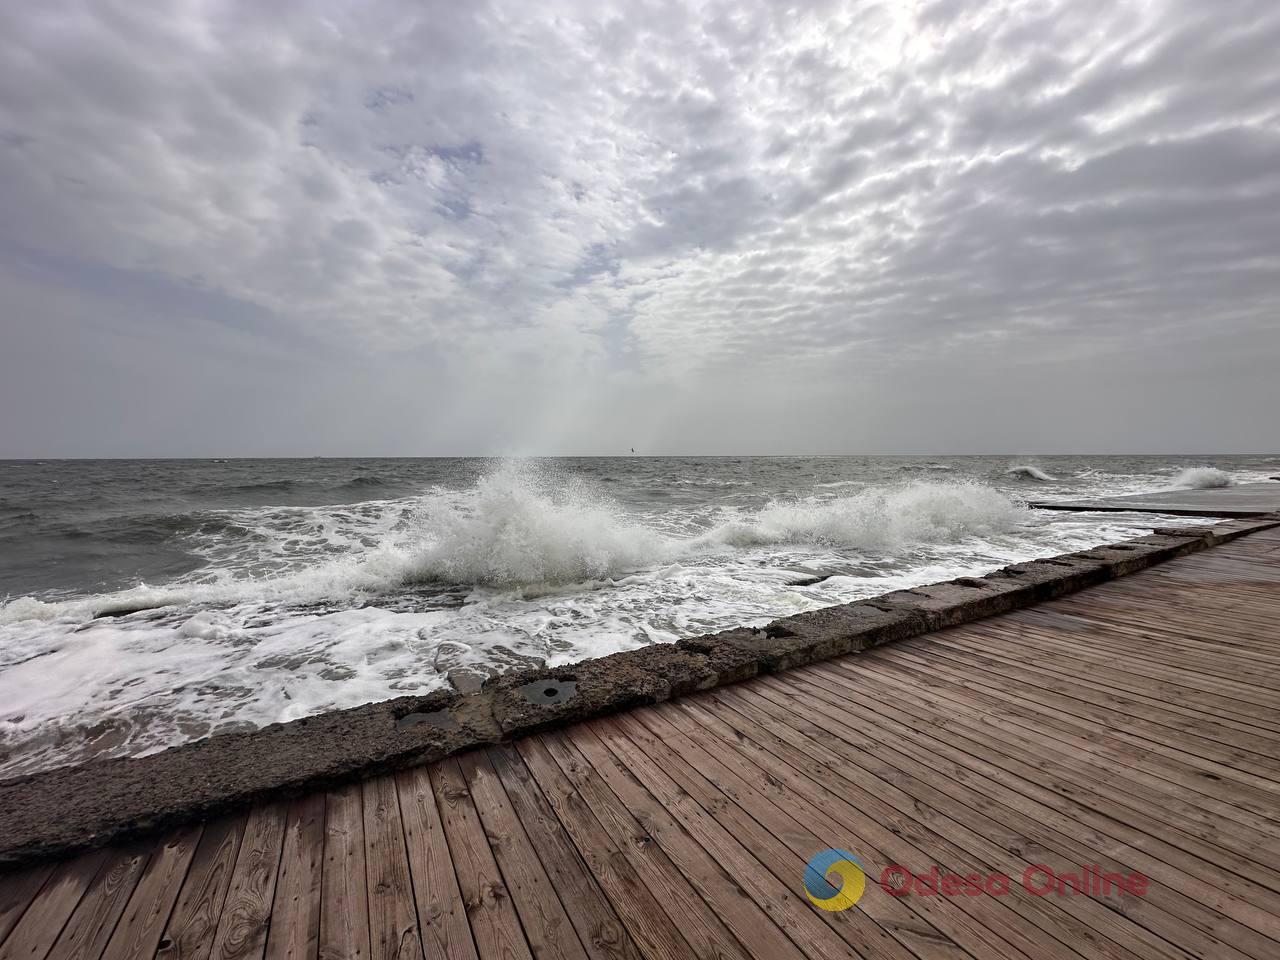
(1134, 726)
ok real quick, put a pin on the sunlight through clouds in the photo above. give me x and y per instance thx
(596, 202)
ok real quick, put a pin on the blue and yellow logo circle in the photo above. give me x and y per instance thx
(822, 892)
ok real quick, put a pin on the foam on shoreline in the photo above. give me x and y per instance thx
(67, 809)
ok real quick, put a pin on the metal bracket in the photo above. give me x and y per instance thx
(548, 693)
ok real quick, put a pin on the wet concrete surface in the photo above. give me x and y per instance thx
(1240, 500)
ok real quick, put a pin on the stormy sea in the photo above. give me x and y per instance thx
(145, 603)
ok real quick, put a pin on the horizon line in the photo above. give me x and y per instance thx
(207, 458)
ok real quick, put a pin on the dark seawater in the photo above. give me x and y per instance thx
(144, 603)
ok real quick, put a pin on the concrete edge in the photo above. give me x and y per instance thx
(63, 811)
(1085, 506)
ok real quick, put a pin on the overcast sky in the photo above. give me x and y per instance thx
(417, 228)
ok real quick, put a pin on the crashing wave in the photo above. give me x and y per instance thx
(1028, 473)
(1202, 478)
(879, 519)
(519, 528)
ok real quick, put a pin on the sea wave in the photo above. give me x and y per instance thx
(357, 483)
(1027, 472)
(1202, 478)
(880, 518)
(262, 486)
(518, 527)
(308, 485)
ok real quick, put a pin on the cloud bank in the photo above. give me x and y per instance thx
(433, 228)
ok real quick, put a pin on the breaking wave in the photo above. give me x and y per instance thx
(523, 527)
(1202, 478)
(1029, 473)
(879, 519)
(518, 527)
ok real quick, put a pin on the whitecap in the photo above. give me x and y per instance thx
(1028, 472)
(1202, 478)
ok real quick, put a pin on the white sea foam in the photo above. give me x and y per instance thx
(1202, 478)
(519, 528)
(1028, 472)
(304, 609)
(522, 527)
(879, 519)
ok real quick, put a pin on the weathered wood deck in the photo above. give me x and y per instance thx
(1135, 726)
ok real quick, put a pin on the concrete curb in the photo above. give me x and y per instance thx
(62, 811)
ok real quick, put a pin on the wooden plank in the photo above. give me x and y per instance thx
(1168, 646)
(344, 896)
(729, 850)
(189, 932)
(1235, 695)
(1155, 723)
(393, 919)
(34, 934)
(1076, 721)
(641, 913)
(91, 925)
(442, 919)
(1201, 612)
(976, 705)
(602, 932)
(725, 887)
(1164, 912)
(1170, 869)
(1156, 692)
(17, 889)
(1202, 603)
(295, 915)
(140, 929)
(1206, 617)
(1241, 789)
(971, 779)
(697, 921)
(1128, 625)
(1136, 668)
(246, 913)
(494, 923)
(1064, 739)
(546, 925)
(1255, 775)
(772, 831)
(1089, 786)
(885, 836)
(962, 848)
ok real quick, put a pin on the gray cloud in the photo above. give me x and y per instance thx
(409, 228)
